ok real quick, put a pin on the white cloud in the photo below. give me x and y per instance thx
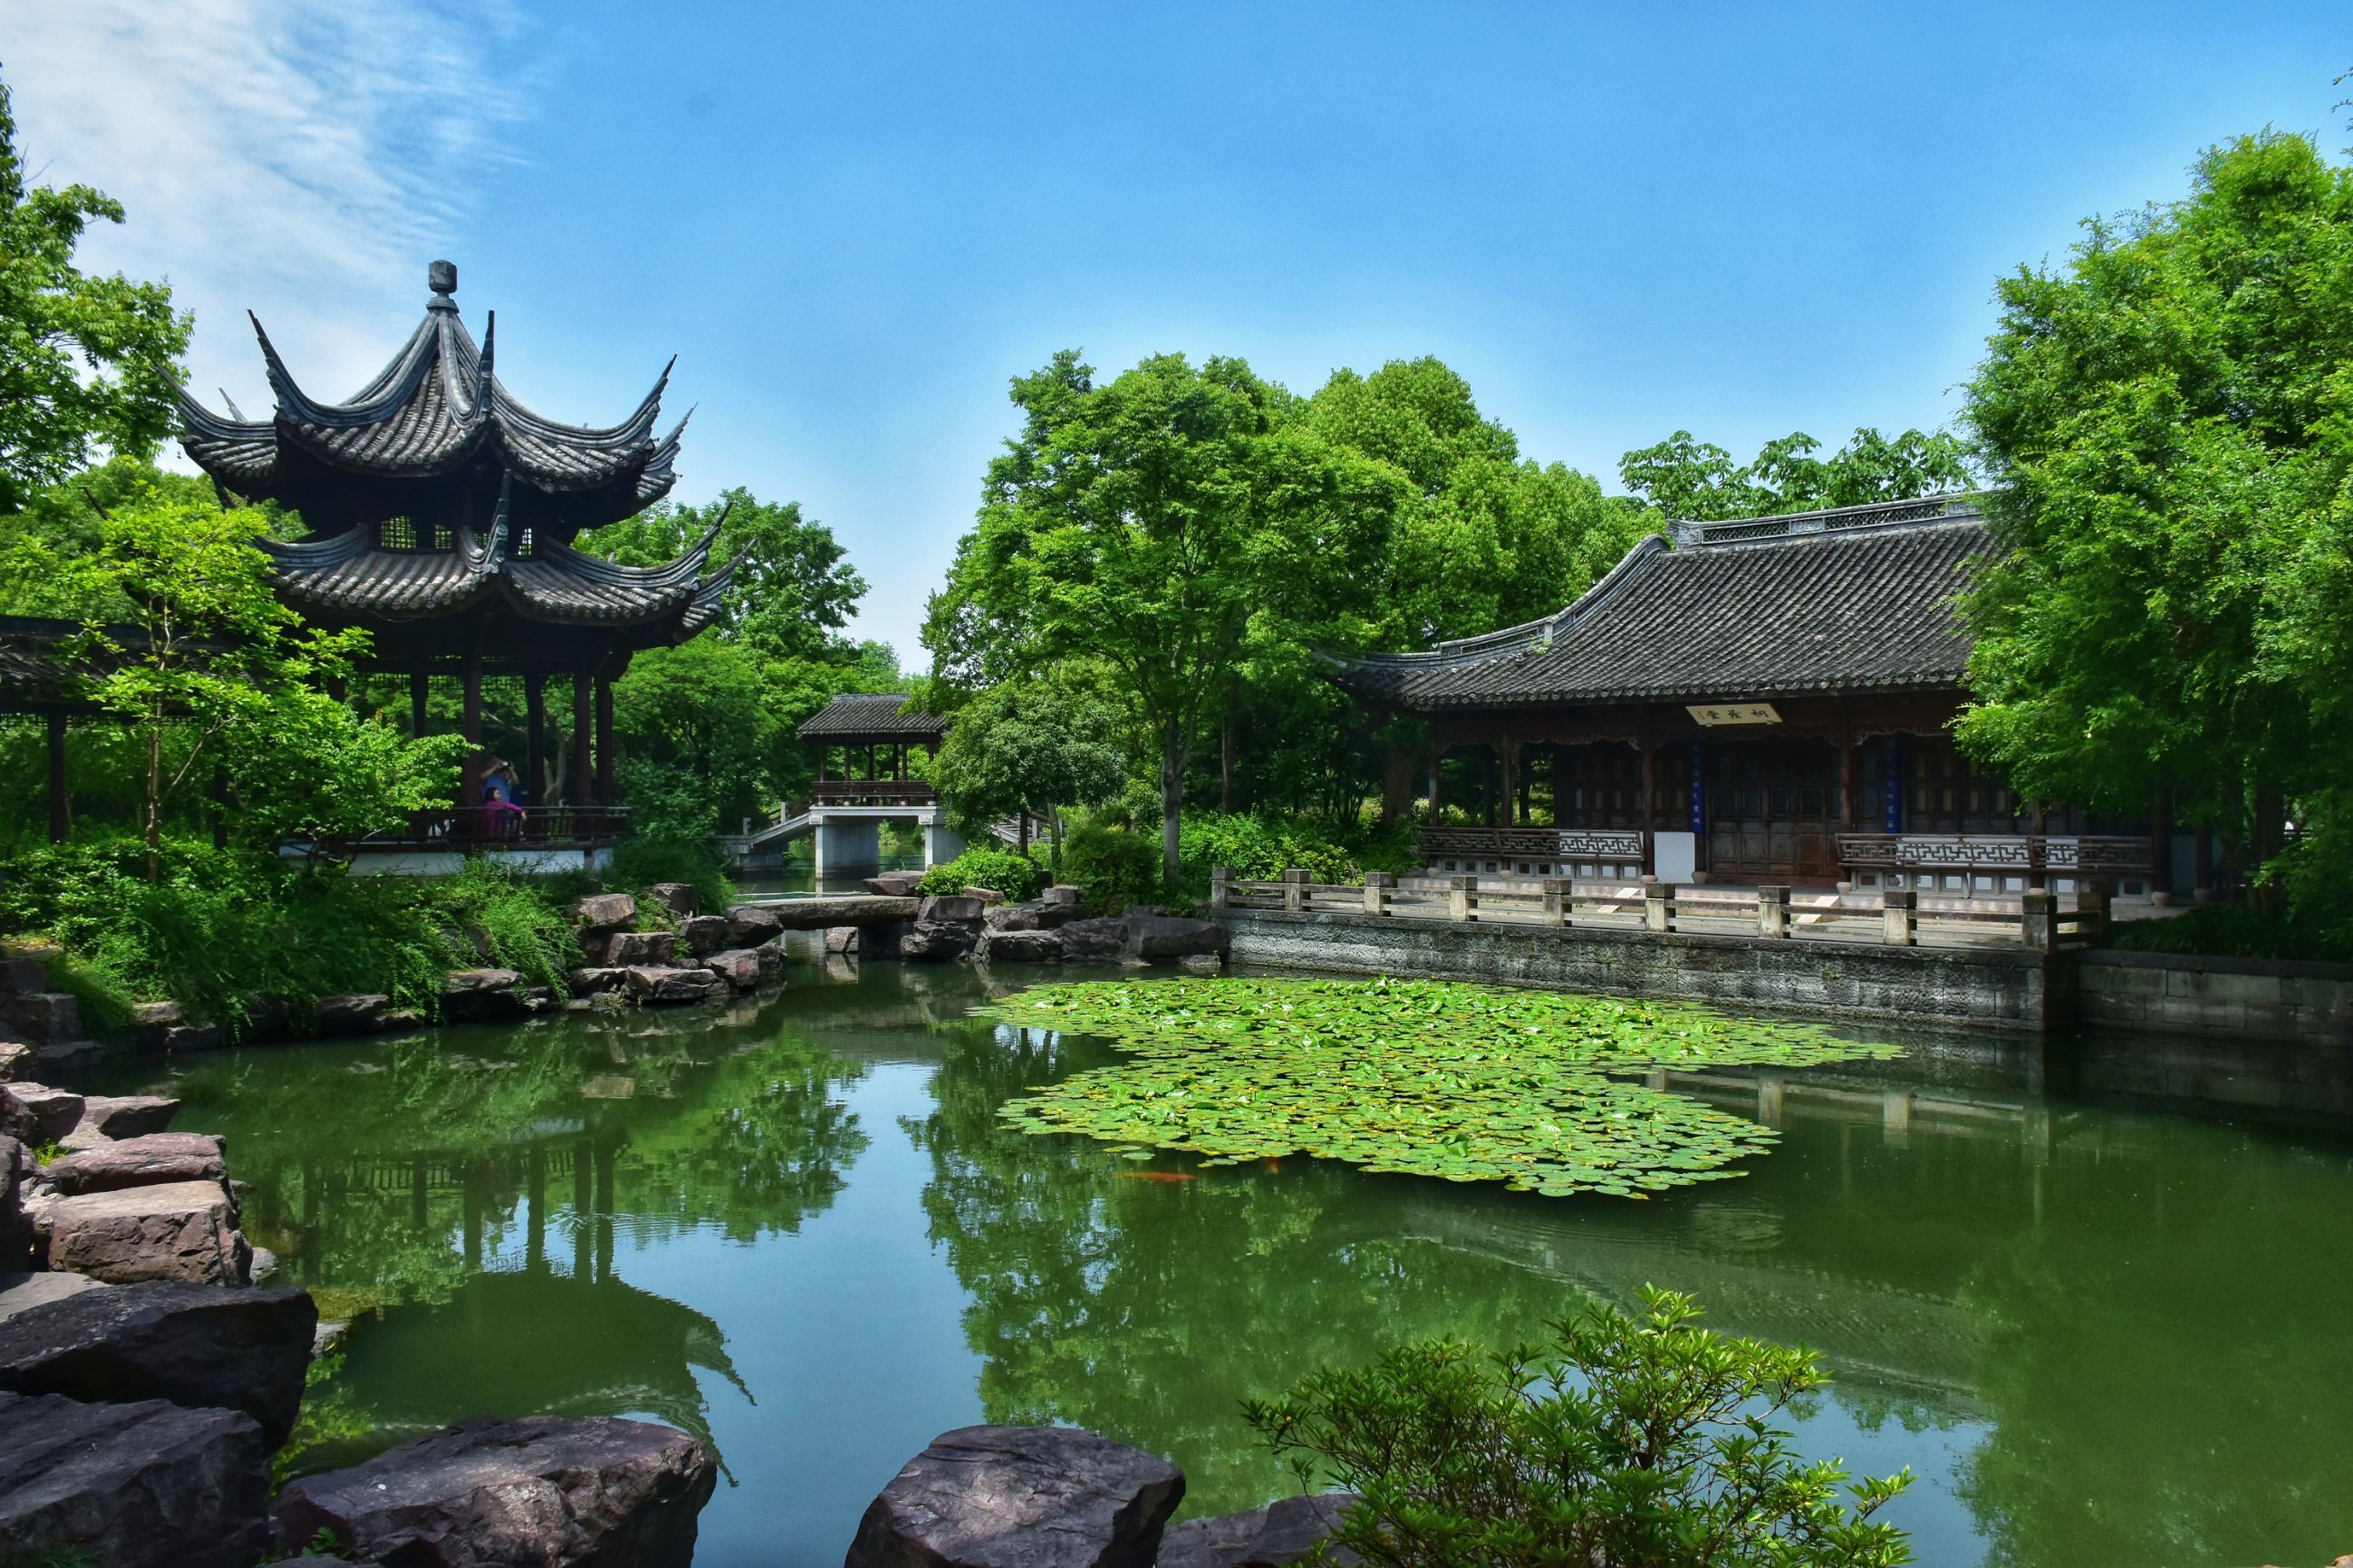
(299, 158)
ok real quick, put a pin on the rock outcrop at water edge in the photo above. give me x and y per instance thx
(1284, 1532)
(545, 1492)
(1020, 1496)
(144, 1485)
(203, 1346)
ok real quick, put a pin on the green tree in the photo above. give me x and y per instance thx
(793, 593)
(1698, 481)
(2168, 418)
(85, 362)
(1150, 522)
(1031, 745)
(187, 643)
(1627, 1439)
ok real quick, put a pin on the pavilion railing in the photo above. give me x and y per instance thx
(1573, 850)
(492, 826)
(873, 792)
(2036, 919)
(2071, 855)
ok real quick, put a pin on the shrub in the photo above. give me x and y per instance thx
(2236, 930)
(1629, 1439)
(1015, 876)
(1115, 865)
(642, 859)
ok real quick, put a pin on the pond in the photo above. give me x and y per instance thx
(2099, 1332)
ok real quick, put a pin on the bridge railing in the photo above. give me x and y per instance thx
(492, 826)
(2035, 920)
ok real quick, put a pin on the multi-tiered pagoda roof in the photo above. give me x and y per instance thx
(433, 494)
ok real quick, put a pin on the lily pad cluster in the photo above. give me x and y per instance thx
(1425, 1078)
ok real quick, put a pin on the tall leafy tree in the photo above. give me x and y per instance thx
(85, 362)
(2168, 417)
(794, 591)
(1698, 480)
(1031, 745)
(1150, 522)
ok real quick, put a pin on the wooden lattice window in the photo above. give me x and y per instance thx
(525, 545)
(395, 533)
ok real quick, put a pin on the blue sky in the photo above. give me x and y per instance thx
(854, 222)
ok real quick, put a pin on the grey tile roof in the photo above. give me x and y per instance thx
(1857, 600)
(433, 409)
(864, 716)
(347, 574)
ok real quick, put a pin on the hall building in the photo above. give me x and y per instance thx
(1766, 701)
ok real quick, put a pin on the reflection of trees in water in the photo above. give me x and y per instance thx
(2175, 1327)
(1146, 1310)
(479, 1197)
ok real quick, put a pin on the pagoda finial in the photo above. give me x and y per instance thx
(441, 277)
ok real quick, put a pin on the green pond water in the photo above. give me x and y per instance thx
(2103, 1320)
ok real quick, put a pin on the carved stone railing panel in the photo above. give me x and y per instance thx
(1529, 844)
(1995, 852)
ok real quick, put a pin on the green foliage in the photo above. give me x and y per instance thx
(1697, 481)
(2170, 419)
(218, 930)
(793, 592)
(1116, 867)
(643, 860)
(87, 362)
(1425, 1078)
(1149, 523)
(1016, 875)
(2235, 930)
(1626, 1439)
(1259, 849)
(188, 646)
(1031, 743)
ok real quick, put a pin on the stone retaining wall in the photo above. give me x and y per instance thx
(2214, 998)
(2004, 988)
(2240, 998)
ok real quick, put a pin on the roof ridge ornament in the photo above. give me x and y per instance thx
(441, 277)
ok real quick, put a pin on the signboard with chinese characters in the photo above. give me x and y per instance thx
(1733, 713)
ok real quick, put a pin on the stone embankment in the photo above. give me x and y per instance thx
(979, 926)
(146, 1378)
(1059, 1497)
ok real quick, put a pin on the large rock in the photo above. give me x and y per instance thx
(657, 985)
(749, 925)
(126, 1115)
(842, 910)
(38, 1114)
(473, 996)
(23, 971)
(21, 1292)
(1020, 1496)
(1156, 939)
(198, 1345)
(704, 934)
(591, 982)
(1066, 895)
(39, 1017)
(739, 966)
(1020, 947)
(19, 1244)
(926, 941)
(1284, 1532)
(358, 1013)
(545, 1492)
(148, 1161)
(895, 884)
(1094, 940)
(771, 958)
(181, 1230)
(13, 1057)
(603, 913)
(149, 1485)
(678, 898)
(626, 949)
(844, 939)
(950, 908)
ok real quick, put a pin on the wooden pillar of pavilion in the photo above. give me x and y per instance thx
(1508, 753)
(470, 791)
(1649, 817)
(581, 792)
(534, 756)
(605, 792)
(1437, 792)
(60, 823)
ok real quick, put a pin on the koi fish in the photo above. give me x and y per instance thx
(1158, 1176)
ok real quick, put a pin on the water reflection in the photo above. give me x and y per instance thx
(2104, 1334)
